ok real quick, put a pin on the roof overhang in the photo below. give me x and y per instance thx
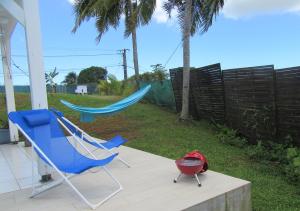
(11, 12)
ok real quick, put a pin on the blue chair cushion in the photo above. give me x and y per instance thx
(37, 119)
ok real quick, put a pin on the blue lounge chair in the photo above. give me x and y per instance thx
(80, 135)
(43, 130)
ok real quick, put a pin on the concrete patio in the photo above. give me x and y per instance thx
(148, 185)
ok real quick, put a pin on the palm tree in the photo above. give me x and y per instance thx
(108, 13)
(50, 79)
(193, 15)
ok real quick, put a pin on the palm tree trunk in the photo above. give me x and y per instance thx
(135, 56)
(134, 46)
(186, 60)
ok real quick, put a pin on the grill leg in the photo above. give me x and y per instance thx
(177, 178)
(196, 176)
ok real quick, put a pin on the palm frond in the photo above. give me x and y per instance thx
(203, 13)
(108, 14)
(83, 10)
(210, 9)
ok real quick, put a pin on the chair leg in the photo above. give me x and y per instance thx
(123, 161)
(92, 205)
(42, 188)
(36, 191)
(118, 157)
(66, 179)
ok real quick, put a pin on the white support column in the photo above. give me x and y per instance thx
(35, 55)
(9, 88)
(36, 66)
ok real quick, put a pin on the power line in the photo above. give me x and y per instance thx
(173, 53)
(18, 67)
(80, 49)
(70, 55)
(15, 75)
(143, 70)
(81, 68)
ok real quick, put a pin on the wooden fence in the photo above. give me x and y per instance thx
(260, 102)
(250, 101)
(208, 93)
(288, 102)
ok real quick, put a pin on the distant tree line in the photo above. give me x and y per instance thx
(108, 84)
(89, 75)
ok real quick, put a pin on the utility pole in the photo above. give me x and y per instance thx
(123, 52)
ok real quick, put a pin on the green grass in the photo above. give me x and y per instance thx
(156, 130)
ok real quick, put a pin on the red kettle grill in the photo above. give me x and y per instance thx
(192, 164)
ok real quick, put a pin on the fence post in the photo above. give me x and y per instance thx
(224, 97)
(275, 103)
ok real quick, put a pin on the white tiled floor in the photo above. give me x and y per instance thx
(16, 168)
(148, 185)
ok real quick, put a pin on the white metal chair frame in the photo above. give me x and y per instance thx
(91, 139)
(37, 189)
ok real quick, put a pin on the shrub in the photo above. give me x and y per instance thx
(270, 151)
(230, 136)
(257, 152)
(111, 86)
(292, 169)
(3, 124)
(284, 154)
(128, 88)
(287, 157)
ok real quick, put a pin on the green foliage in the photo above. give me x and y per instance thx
(292, 153)
(70, 79)
(292, 169)
(256, 152)
(158, 73)
(229, 136)
(3, 124)
(283, 154)
(92, 75)
(268, 151)
(128, 88)
(3, 118)
(112, 86)
(256, 120)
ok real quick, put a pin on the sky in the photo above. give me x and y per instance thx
(246, 33)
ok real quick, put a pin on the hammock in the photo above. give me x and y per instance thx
(88, 114)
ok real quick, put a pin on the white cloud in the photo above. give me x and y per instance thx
(160, 16)
(247, 8)
(71, 1)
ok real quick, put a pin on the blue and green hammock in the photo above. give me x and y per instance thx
(88, 114)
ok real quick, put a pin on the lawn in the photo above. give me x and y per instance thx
(156, 130)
